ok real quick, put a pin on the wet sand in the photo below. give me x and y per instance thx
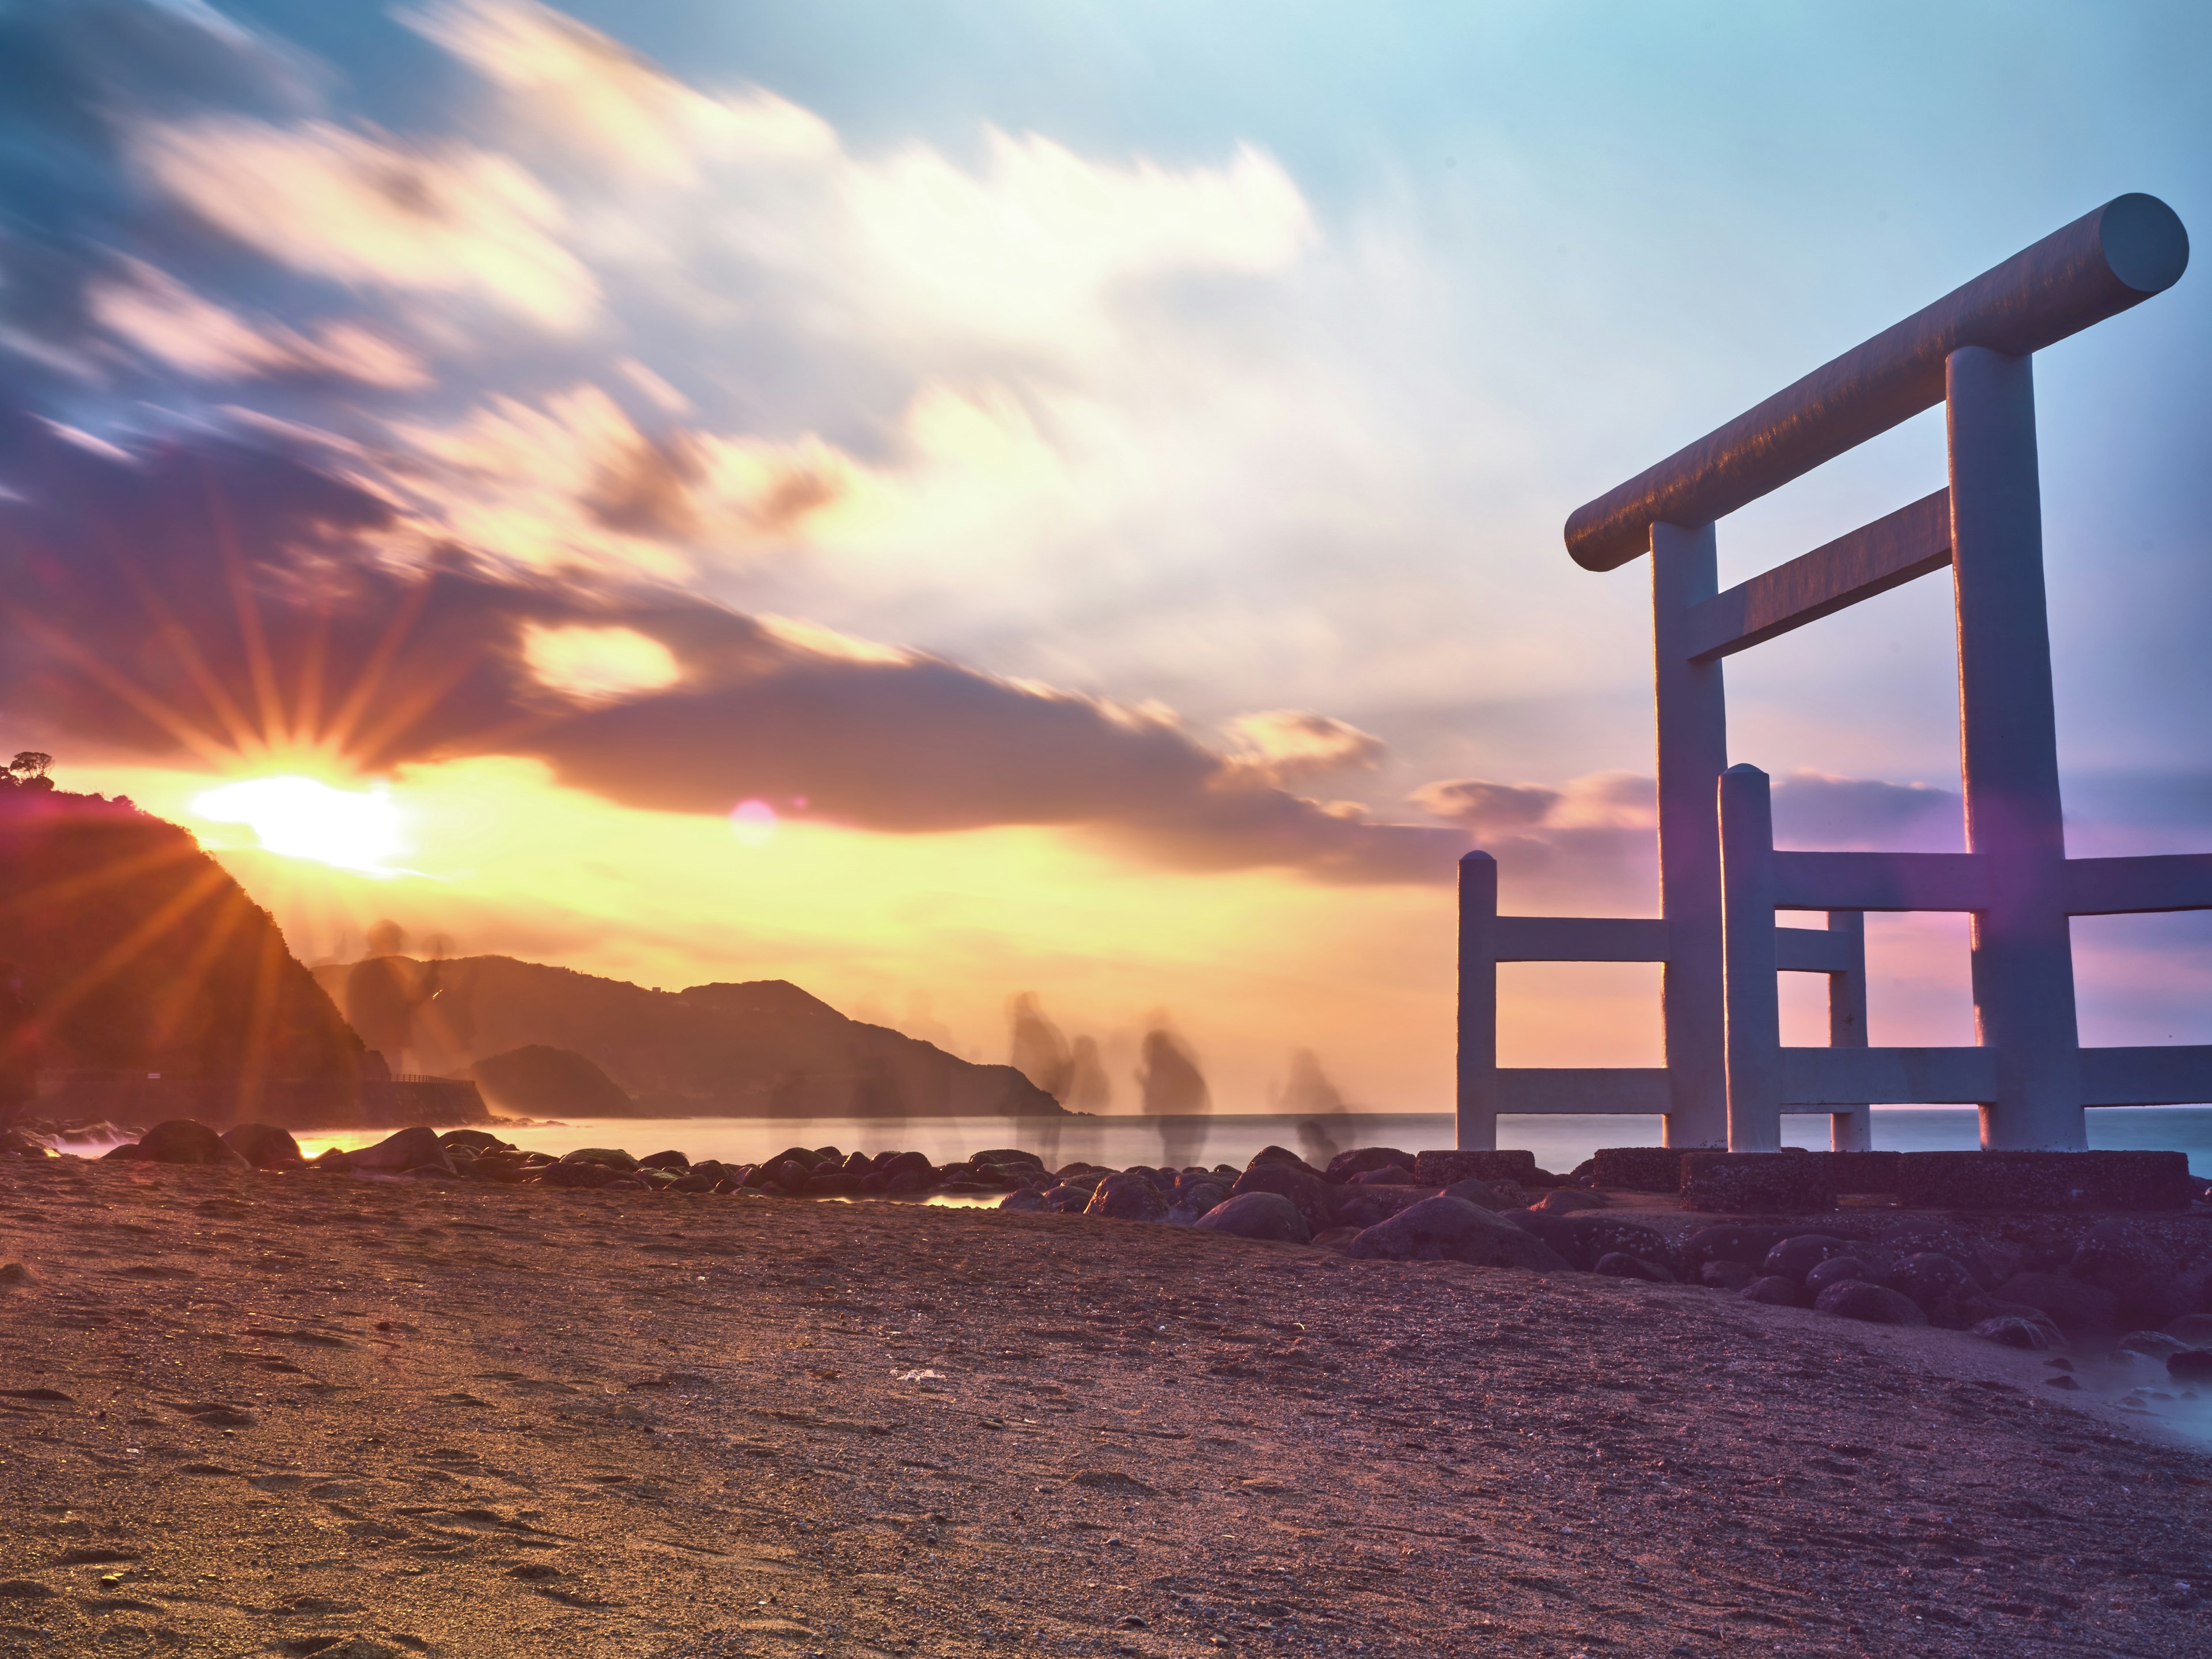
(314, 1414)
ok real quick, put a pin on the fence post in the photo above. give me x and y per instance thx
(1850, 1128)
(2023, 959)
(1692, 726)
(1477, 1128)
(1753, 986)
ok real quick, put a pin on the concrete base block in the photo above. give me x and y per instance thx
(1760, 1183)
(2045, 1181)
(1442, 1169)
(1638, 1168)
(1865, 1172)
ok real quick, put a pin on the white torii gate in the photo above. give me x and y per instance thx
(1727, 1079)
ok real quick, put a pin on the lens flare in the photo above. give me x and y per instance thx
(302, 818)
(753, 822)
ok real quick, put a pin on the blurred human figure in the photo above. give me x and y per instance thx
(1174, 1092)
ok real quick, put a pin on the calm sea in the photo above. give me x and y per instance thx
(1559, 1144)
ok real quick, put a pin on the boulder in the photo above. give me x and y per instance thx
(2120, 1257)
(1128, 1196)
(909, 1183)
(1392, 1175)
(264, 1146)
(1743, 1241)
(1063, 1199)
(474, 1140)
(1565, 1201)
(1010, 1158)
(2075, 1307)
(13, 1143)
(1316, 1200)
(1206, 1193)
(1775, 1289)
(1617, 1264)
(1282, 1155)
(413, 1148)
(1726, 1275)
(1364, 1160)
(1475, 1192)
(1258, 1215)
(2152, 1345)
(1836, 1270)
(1877, 1304)
(672, 1160)
(2195, 1366)
(580, 1177)
(1940, 1287)
(1595, 1236)
(2012, 1331)
(183, 1140)
(1452, 1230)
(1025, 1200)
(2195, 1329)
(1795, 1257)
(1363, 1207)
(831, 1183)
(607, 1157)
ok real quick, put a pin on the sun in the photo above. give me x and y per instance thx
(305, 818)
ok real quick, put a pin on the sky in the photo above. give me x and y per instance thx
(938, 502)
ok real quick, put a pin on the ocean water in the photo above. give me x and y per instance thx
(1559, 1143)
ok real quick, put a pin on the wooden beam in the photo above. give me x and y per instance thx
(2164, 881)
(1584, 1091)
(1880, 881)
(1898, 1077)
(1891, 552)
(2179, 1074)
(1580, 939)
(1811, 950)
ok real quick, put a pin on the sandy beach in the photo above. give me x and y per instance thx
(326, 1415)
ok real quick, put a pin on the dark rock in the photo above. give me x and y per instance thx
(578, 1178)
(1739, 1183)
(1364, 1206)
(1730, 1241)
(2011, 1331)
(694, 1182)
(675, 1161)
(13, 1143)
(412, 1148)
(1204, 1193)
(908, 1183)
(1592, 1235)
(1451, 1229)
(1637, 1169)
(2075, 1307)
(1474, 1192)
(2045, 1180)
(1258, 1215)
(805, 1157)
(1617, 1264)
(831, 1183)
(475, 1140)
(1565, 1201)
(1390, 1174)
(1726, 1275)
(1284, 1156)
(2066, 1382)
(1775, 1288)
(2194, 1366)
(1940, 1287)
(1063, 1199)
(183, 1140)
(2151, 1345)
(264, 1146)
(899, 1162)
(1877, 1304)
(1797, 1255)
(1336, 1238)
(2194, 1328)
(1009, 1158)
(607, 1157)
(1127, 1197)
(2120, 1257)
(1316, 1200)
(1023, 1201)
(1836, 1270)
(1365, 1160)
(1436, 1170)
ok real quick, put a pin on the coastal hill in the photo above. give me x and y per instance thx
(764, 1048)
(126, 950)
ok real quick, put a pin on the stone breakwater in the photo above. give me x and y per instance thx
(2130, 1291)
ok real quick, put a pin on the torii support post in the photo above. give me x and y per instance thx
(1477, 1127)
(2023, 953)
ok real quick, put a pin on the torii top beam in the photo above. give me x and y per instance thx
(2102, 263)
